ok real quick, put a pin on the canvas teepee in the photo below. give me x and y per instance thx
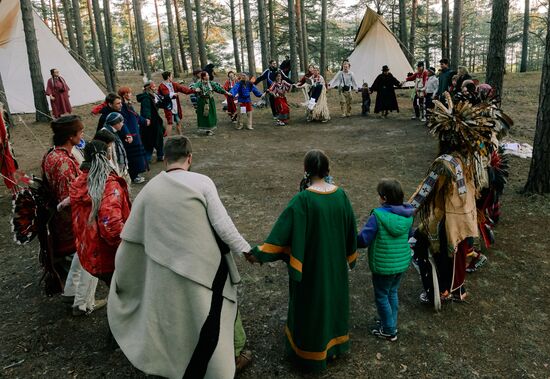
(14, 64)
(376, 46)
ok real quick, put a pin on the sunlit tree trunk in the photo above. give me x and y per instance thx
(95, 47)
(180, 37)
(200, 34)
(81, 47)
(323, 53)
(69, 25)
(264, 48)
(109, 41)
(525, 39)
(191, 34)
(412, 36)
(445, 28)
(143, 50)
(272, 33)
(234, 37)
(162, 58)
(304, 35)
(249, 38)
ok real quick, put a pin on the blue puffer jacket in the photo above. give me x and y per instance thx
(242, 91)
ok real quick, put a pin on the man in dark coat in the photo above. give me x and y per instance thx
(151, 135)
(384, 85)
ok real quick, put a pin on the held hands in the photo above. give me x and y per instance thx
(129, 139)
(251, 258)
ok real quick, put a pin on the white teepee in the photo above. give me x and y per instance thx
(376, 46)
(14, 64)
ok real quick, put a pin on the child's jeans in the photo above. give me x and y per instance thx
(387, 304)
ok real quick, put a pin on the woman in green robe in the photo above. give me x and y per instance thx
(206, 105)
(316, 237)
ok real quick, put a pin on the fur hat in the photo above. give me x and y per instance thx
(385, 68)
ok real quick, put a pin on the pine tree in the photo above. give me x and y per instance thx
(323, 52)
(200, 34)
(109, 41)
(249, 38)
(81, 47)
(180, 37)
(39, 93)
(69, 26)
(539, 173)
(234, 37)
(95, 48)
(143, 51)
(456, 59)
(272, 34)
(176, 69)
(445, 28)
(102, 46)
(496, 57)
(191, 34)
(162, 58)
(412, 37)
(525, 39)
(263, 33)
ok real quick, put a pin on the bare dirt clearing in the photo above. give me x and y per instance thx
(503, 330)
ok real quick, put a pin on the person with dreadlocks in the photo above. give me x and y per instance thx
(100, 206)
(316, 237)
(446, 201)
(114, 124)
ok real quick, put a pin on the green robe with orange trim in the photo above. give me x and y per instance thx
(316, 236)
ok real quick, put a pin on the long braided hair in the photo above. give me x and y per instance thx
(97, 163)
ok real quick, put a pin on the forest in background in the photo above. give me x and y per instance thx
(219, 31)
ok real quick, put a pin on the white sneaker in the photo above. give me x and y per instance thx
(413, 117)
(311, 104)
(138, 180)
(423, 119)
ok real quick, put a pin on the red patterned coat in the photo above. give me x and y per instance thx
(97, 242)
(60, 168)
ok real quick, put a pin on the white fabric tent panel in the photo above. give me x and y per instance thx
(14, 66)
(378, 48)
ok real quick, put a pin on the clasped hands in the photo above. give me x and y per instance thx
(251, 258)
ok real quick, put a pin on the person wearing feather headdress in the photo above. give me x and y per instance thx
(446, 200)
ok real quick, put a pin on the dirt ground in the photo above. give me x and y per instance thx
(502, 331)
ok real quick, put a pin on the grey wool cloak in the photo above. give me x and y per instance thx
(172, 305)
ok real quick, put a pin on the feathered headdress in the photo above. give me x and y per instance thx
(466, 125)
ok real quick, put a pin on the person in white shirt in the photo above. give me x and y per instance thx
(431, 90)
(345, 81)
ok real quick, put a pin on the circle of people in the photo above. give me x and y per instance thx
(173, 306)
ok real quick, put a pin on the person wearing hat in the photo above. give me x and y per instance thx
(152, 134)
(114, 123)
(420, 77)
(431, 88)
(384, 85)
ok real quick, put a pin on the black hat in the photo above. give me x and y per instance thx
(420, 64)
(431, 69)
(385, 68)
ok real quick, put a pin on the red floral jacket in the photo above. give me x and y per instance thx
(97, 242)
(60, 168)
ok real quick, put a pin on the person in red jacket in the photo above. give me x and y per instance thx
(231, 102)
(100, 206)
(420, 77)
(168, 90)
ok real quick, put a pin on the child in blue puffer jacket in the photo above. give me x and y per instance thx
(386, 234)
(242, 91)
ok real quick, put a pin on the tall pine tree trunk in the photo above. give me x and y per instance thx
(403, 23)
(525, 39)
(304, 35)
(38, 88)
(109, 41)
(162, 58)
(131, 35)
(234, 37)
(272, 34)
(81, 47)
(172, 38)
(143, 50)
(180, 37)
(69, 25)
(456, 58)
(412, 37)
(59, 30)
(427, 35)
(496, 57)
(95, 47)
(191, 34)
(249, 37)
(323, 57)
(44, 11)
(200, 34)
(445, 28)
(263, 33)
(299, 33)
(102, 46)
(539, 173)
(241, 34)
